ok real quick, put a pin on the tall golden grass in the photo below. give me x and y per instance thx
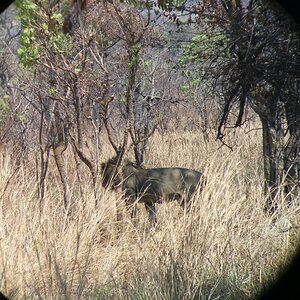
(225, 247)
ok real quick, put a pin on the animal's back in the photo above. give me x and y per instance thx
(176, 174)
(170, 181)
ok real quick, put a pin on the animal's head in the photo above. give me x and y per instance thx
(110, 174)
(129, 168)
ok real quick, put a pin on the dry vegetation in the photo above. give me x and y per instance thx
(226, 247)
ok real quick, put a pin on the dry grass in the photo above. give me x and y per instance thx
(226, 247)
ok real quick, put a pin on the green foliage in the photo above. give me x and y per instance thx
(147, 64)
(60, 43)
(41, 32)
(205, 46)
(203, 52)
(134, 55)
(6, 112)
(27, 11)
(52, 92)
(122, 100)
(28, 52)
(169, 4)
(102, 41)
(20, 118)
(193, 82)
(65, 7)
(138, 3)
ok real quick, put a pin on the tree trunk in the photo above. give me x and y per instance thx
(292, 149)
(272, 165)
(292, 166)
(57, 151)
(59, 146)
(271, 114)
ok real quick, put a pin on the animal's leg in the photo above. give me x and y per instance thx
(130, 203)
(150, 207)
(188, 202)
(185, 201)
(133, 211)
(182, 202)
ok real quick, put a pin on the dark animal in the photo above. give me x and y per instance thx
(151, 186)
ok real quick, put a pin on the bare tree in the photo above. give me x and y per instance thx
(256, 63)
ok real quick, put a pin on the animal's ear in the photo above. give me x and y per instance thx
(127, 162)
(138, 166)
